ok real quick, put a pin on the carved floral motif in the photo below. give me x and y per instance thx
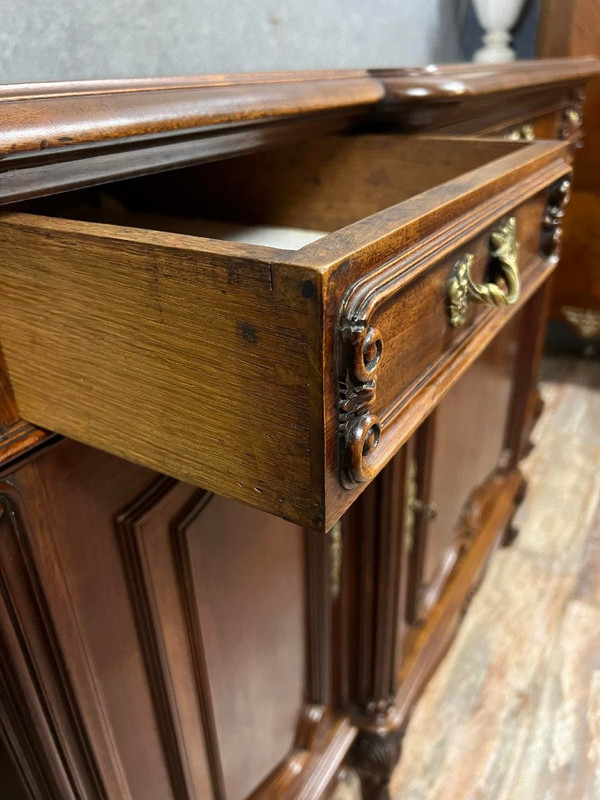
(558, 197)
(359, 428)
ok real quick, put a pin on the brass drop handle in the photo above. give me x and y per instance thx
(504, 256)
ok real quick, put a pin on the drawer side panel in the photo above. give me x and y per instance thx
(184, 359)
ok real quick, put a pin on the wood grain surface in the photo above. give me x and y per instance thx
(195, 342)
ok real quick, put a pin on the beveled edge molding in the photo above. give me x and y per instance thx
(452, 82)
(359, 344)
(130, 535)
(109, 130)
(323, 742)
(50, 747)
(20, 439)
(188, 597)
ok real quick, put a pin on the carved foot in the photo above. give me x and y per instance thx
(375, 753)
(511, 532)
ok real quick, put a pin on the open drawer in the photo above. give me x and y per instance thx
(283, 373)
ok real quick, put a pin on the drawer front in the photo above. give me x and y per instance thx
(413, 345)
(425, 323)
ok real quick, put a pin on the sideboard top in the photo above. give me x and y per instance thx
(457, 81)
(39, 116)
(59, 136)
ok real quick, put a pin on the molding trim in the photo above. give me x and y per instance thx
(133, 555)
(322, 745)
(130, 529)
(41, 722)
(19, 439)
(187, 586)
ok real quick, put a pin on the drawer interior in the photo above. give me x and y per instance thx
(287, 197)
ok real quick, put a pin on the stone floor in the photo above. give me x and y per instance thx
(513, 712)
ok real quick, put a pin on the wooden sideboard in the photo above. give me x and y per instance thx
(270, 353)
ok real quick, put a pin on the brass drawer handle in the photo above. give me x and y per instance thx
(461, 287)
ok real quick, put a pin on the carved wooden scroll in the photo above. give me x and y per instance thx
(359, 429)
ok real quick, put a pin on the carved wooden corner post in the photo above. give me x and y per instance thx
(373, 579)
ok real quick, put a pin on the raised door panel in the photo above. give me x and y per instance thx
(218, 592)
(155, 633)
(243, 573)
(460, 448)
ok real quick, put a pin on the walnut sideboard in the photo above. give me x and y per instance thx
(270, 346)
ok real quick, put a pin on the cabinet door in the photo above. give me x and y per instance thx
(457, 449)
(152, 634)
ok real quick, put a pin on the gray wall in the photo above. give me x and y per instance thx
(76, 39)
